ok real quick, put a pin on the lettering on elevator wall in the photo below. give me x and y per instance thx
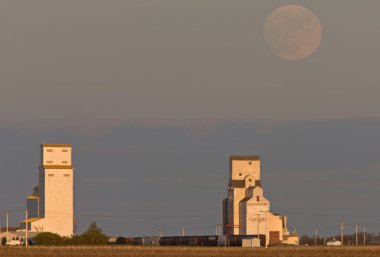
(262, 204)
(255, 219)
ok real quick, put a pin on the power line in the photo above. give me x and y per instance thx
(124, 216)
(334, 214)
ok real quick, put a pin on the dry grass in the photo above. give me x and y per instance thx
(129, 251)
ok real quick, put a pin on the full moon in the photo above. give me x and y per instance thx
(293, 32)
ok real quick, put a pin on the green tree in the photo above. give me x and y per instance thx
(92, 236)
(48, 238)
(94, 228)
(73, 240)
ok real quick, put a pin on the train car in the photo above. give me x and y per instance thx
(188, 241)
(150, 241)
(222, 240)
(202, 240)
(207, 240)
(129, 240)
(137, 241)
(125, 241)
(192, 240)
(225, 240)
(163, 241)
(212, 241)
(174, 240)
(169, 241)
(184, 240)
(232, 240)
(120, 240)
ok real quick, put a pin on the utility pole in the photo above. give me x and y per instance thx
(161, 232)
(364, 235)
(183, 231)
(341, 232)
(218, 229)
(26, 228)
(266, 231)
(356, 234)
(316, 235)
(7, 213)
(258, 227)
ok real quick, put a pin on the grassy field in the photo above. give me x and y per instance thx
(128, 251)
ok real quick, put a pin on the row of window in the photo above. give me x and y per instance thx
(51, 150)
(65, 175)
(52, 162)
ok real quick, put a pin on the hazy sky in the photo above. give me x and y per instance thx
(155, 96)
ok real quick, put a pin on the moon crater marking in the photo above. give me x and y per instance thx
(293, 32)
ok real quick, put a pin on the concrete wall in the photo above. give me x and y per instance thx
(41, 181)
(274, 223)
(56, 155)
(292, 240)
(254, 213)
(56, 191)
(32, 206)
(245, 169)
(241, 168)
(59, 205)
(230, 211)
(238, 195)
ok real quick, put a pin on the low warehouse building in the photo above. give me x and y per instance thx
(334, 243)
(251, 242)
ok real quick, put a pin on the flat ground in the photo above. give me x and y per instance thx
(129, 251)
